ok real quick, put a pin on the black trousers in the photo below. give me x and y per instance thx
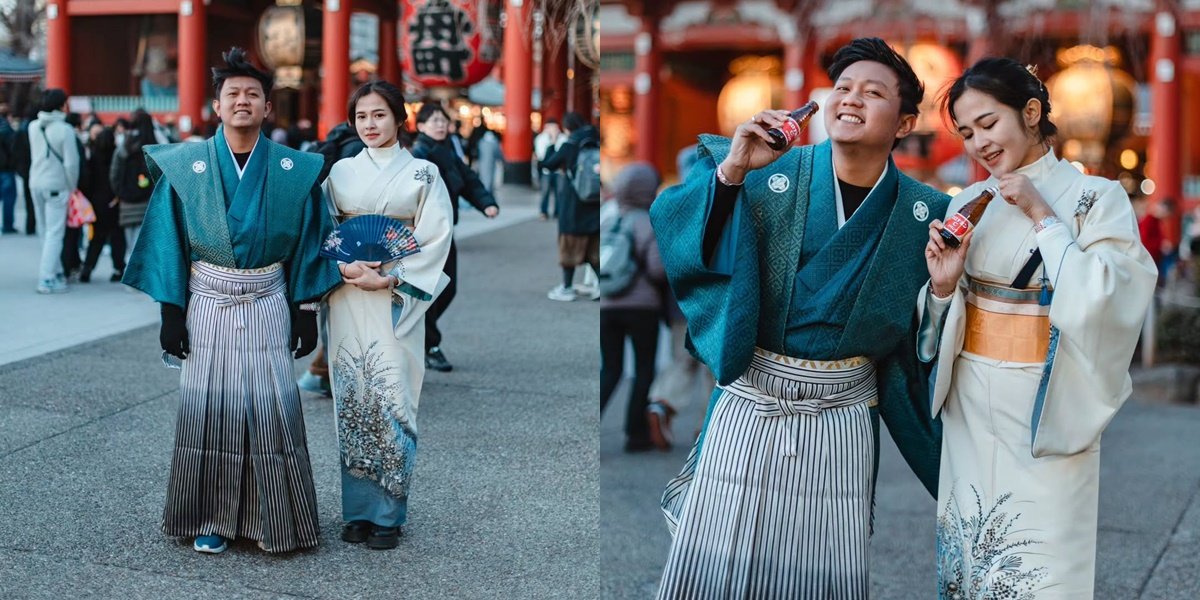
(433, 337)
(111, 234)
(641, 327)
(72, 240)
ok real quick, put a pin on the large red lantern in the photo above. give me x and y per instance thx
(450, 43)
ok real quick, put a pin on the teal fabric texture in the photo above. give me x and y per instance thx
(796, 285)
(275, 214)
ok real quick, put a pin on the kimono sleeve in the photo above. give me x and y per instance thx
(420, 275)
(311, 276)
(721, 301)
(160, 260)
(1103, 281)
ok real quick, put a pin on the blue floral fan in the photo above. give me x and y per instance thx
(370, 238)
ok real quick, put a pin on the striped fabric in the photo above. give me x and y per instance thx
(778, 504)
(240, 467)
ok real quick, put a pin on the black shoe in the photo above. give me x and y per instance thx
(383, 538)
(9, 230)
(85, 277)
(434, 359)
(116, 277)
(356, 532)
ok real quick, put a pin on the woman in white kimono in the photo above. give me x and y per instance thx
(1031, 345)
(376, 321)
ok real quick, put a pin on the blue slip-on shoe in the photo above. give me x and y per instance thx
(313, 383)
(210, 544)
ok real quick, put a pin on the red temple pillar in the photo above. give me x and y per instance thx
(518, 87)
(1163, 159)
(389, 59)
(335, 64)
(193, 54)
(554, 90)
(58, 45)
(648, 59)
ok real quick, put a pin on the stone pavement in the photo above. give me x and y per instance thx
(1149, 531)
(504, 503)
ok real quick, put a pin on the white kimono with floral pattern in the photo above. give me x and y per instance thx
(1019, 479)
(376, 339)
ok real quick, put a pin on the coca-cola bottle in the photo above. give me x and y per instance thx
(785, 134)
(960, 223)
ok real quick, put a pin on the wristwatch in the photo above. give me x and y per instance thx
(310, 306)
(1045, 222)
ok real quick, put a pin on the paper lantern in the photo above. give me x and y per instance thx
(450, 43)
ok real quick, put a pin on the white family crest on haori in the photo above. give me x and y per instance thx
(287, 164)
(779, 183)
(199, 166)
(920, 211)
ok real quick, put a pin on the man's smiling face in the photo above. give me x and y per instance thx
(242, 103)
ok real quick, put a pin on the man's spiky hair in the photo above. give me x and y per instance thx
(238, 65)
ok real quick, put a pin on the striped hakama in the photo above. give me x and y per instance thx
(778, 504)
(240, 466)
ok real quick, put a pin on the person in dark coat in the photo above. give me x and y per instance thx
(578, 223)
(100, 149)
(433, 126)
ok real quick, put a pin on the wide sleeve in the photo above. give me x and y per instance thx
(311, 276)
(1103, 281)
(721, 302)
(421, 275)
(160, 261)
(905, 408)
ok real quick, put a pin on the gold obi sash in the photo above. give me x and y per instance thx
(1006, 324)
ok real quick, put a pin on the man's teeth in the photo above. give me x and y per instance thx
(850, 119)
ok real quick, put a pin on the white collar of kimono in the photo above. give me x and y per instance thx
(1040, 168)
(239, 168)
(382, 156)
(837, 193)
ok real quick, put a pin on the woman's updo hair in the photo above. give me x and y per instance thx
(1009, 83)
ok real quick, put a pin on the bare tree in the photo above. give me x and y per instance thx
(23, 19)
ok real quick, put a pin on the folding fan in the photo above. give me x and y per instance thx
(370, 238)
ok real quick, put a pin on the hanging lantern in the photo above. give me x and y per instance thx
(1091, 101)
(931, 144)
(289, 41)
(450, 43)
(757, 84)
(585, 34)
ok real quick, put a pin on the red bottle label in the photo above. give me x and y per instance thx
(790, 129)
(958, 225)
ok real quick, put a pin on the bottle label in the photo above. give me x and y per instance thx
(957, 225)
(790, 130)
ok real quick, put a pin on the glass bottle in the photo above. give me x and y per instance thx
(960, 223)
(785, 134)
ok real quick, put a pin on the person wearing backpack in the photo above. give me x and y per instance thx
(53, 175)
(631, 301)
(579, 196)
(130, 177)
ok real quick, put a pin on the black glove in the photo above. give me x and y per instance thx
(173, 336)
(304, 332)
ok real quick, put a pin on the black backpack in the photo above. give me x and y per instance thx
(135, 185)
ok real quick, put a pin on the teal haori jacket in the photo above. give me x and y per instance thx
(786, 279)
(201, 210)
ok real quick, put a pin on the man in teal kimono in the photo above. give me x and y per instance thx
(229, 248)
(797, 271)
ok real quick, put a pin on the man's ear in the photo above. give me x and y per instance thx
(216, 108)
(267, 112)
(907, 123)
